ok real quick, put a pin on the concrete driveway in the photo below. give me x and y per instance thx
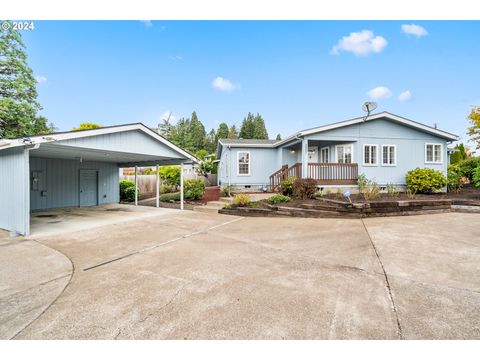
(189, 275)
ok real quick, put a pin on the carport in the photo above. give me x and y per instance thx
(76, 169)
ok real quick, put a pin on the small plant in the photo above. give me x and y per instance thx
(369, 189)
(241, 200)
(362, 183)
(278, 198)
(410, 193)
(455, 180)
(425, 180)
(287, 185)
(304, 188)
(127, 190)
(391, 190)
(339, 194)
(193, 189)
(226, 190)
(319, 194)
(476, 177)
(165, 189)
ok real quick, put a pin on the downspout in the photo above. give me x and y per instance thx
(229, 170)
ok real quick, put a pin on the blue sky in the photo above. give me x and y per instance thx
(297, 74)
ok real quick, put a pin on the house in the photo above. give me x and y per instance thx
(382, 147)
(74, 169)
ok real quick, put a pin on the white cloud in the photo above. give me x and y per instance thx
(360, 43)
(175, 57)
(147, 23)
(41, 79)
(380, 92)
(222, 84)
(416, 30)
(405, 96)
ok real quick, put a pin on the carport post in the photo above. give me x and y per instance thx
(158, 186)
(136, 186)
(181, 186)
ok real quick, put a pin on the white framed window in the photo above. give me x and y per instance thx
(344, 153)
(243, 163)
(433, 153)
(370, 155)
(389, 155)
(324, 155)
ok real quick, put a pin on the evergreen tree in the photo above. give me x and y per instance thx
(279, 137)
(233, 132)
(259, 129)
(196, 134)
(211, 142)
(18, 93)
(247, 130)
(222, 131)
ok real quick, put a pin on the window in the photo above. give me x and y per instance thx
(389, 155)
(243, 159)
(344, 153)
(369, 154)
(324, 158)
(433, 153)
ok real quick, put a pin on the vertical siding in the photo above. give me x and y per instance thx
(62, 182)
(14, 191)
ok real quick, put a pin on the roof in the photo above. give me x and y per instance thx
(67, 135)
(319, 129)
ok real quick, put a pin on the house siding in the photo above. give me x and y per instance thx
(14, 212)
(62, 182)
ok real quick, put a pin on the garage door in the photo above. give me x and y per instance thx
(88, 187)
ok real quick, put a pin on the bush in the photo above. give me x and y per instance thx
(193, 189)
(425, 180)
(369, 189)
(391, 190)
(455, 180)
(148, 171)
(170, 174)
(305, 188)
(170, 197)
(468, 166)
(165, 189)
(278, 198)
(476, 177)
(286, 185)
(226, 190)
(241, 200)
(127, 190)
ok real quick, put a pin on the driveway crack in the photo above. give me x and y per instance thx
(387, 283)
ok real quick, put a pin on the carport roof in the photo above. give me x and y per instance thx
(68, 145)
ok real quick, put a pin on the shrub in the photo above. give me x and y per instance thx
(425, 180)
(476, 177)
(391, 190)
(455, 180)
(165, 189)
(468, 166)
(287, 185)
(226, 190)
(170, 174)
(369, 189)
(410, 193)
(278, 198)
(305, 188)
(193, 189)
(170, 197)
(127, 190)
(148, 171)
(241, 200)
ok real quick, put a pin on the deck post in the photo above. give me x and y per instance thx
(136, 186)
(158, 185)
(181, 186)
(304, 158)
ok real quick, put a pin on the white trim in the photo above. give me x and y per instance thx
(249, 163)
(343, 145)
(433, 154)
(376, 155)
(39, 139)
(328, 154)
(394, 153)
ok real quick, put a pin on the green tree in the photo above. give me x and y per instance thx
(196, 135)
(232, 132)
(259, 129)
(247, 129)
(18, 92)
(211, 141)
(222, 131)
(87, 126)
(459, 155)
(200, 154)
(474, 130)
(279, 137)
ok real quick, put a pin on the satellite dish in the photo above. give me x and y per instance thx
(369, 106)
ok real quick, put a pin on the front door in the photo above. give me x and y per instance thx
(313, 154)
(88, 187)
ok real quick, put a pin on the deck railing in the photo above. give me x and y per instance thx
(324, 173)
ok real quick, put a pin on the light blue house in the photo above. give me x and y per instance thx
(383, 147)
